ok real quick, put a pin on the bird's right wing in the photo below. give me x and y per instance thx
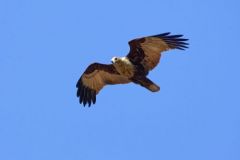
(94, 79)
(147, 50)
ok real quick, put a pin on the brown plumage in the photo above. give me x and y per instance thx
(144, 55)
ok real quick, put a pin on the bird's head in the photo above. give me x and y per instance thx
(115, 60)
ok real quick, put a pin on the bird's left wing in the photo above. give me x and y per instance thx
(94, 79)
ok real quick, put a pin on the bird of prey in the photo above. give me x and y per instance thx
(144, 55)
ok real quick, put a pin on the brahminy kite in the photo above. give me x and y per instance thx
(144, 55)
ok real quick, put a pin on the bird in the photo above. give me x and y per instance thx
(144, 56)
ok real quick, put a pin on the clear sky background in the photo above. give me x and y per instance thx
(46, 45)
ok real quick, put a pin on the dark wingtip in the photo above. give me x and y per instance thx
(161, 35)
(86, 95)
(174, 41)
(89, 97)
(94, 97)
(79, 86)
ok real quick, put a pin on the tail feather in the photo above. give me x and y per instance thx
(153, 88)
(147, 83)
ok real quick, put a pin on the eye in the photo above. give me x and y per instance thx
(115, 58)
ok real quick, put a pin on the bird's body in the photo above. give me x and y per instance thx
(144, 55)
(123, 66)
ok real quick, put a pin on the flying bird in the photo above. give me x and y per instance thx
(144, 55)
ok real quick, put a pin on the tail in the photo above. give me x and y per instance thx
(147, 83)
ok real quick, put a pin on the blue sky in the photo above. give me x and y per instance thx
(46, 45)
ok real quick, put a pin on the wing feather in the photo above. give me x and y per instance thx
(94, 79)
(147, 51)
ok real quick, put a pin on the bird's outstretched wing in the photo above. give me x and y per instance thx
(147, 50)
(94, 79)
